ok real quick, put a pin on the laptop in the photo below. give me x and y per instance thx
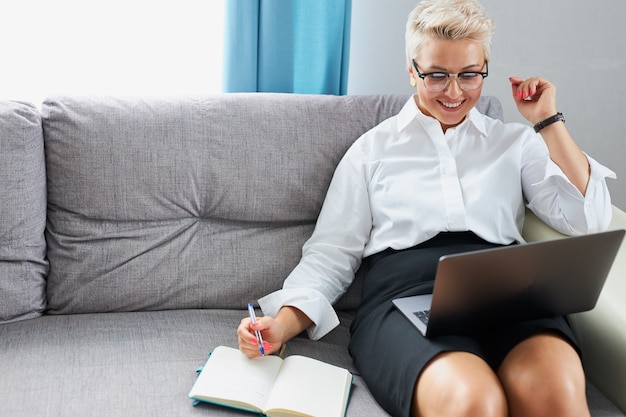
(476, 291)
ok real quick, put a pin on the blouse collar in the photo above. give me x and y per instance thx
(411, 112)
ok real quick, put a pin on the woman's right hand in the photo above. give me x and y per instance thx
(271, 333)
(288, 323)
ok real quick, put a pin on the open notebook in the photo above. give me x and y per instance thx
(270, 385)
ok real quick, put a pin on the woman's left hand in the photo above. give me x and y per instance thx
(535, 98)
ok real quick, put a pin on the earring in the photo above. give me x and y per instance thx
(413, 82)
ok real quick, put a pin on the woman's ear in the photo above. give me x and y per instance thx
(412, 79)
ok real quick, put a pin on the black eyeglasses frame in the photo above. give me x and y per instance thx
(448, 75)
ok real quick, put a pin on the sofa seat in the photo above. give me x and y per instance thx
(133, 364)
(143, 364)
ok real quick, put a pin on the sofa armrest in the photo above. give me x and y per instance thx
(600, 332)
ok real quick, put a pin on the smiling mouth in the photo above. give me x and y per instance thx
(452, 106)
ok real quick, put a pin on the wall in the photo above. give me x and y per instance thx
(578, 45)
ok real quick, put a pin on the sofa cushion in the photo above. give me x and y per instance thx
(135, 364)
(23, 266)
(188, 203)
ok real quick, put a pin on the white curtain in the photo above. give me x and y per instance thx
(110, 47)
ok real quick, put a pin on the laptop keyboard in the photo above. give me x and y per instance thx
(423, 316)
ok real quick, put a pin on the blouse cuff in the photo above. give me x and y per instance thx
(579, 214)
(598, 172)
(310, 302)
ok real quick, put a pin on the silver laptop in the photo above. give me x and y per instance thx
(475, 291)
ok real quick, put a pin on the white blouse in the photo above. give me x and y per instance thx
(404, 181)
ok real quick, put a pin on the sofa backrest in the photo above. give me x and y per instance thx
(192, 202)
(23, 265)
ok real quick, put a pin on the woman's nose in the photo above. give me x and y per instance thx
(454, 89)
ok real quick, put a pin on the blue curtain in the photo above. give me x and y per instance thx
(287, 46)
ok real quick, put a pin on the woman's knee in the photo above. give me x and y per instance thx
(458, 384)
(544, 376)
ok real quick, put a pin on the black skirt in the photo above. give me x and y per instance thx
(390, 353)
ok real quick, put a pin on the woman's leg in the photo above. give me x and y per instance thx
(458, 384)
(543, 376)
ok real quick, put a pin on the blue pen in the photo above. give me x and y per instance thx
(256, 332)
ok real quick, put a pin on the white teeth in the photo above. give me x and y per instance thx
(452, 105)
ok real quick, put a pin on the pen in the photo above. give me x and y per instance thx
(256, 332)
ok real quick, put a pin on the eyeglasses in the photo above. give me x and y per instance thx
(438, 81)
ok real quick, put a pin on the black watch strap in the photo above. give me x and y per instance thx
(556, 118)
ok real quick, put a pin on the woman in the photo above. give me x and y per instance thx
(440, 178)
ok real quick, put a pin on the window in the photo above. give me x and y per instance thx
(110, 47)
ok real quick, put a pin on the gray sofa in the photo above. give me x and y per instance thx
(133, 233)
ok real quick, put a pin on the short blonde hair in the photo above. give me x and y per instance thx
(447, 20)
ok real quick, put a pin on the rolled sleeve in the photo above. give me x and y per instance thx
(310, 302)
(598, 210)
(559, 203)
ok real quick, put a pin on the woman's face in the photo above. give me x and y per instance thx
(452, 104)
